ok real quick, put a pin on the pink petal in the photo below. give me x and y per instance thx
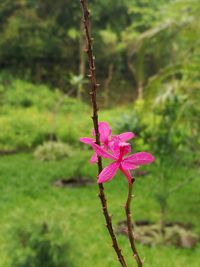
(104, 130)
(87, 140)
(140, 158)
(114, 147)
(94, 158)
(108, 172)
(102, 152)
(128, 165)
(118, 148)
(126, 173)
(125, 148)
(126, 136)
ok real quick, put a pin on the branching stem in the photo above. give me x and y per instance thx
(130, 225)
(93, 93)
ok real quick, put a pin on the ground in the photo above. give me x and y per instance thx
(28, 196)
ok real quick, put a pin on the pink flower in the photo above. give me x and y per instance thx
(106, 138)
(124, 164)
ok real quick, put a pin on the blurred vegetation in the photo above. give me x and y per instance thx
(151, 44)
(52, 151)
(40, 246)
(150, 55)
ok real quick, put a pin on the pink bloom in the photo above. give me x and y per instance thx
(124, 164)
(106, 138)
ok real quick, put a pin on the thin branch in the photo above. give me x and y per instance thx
(130, 225)
(93, 93)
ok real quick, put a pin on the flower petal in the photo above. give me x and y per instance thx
(126, 136)
(114, 147)
(140, 158)
(87, 140)
(126, 173)
(94, 158)
(108, 172)
(119, 149)
(128, 165)
(104, 131)
(125, 148)
(102, 152)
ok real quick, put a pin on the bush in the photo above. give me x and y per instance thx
(72, 105)
(170, 134)
(40, 247)
(19, 93)
(132, 122)
(30, 114)
(23, 129)
(29, 128)
(52, 151)
(129, 123)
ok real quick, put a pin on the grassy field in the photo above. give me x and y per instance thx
(28, 197)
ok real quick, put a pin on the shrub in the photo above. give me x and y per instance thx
(132, 122)
(170, 134)
(30, 114)
(129, 122)
(23, 129)
(40, 247)
(20, 93)
(52, 151)
(28, 128)
(72, 105)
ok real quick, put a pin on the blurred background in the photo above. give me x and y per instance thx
(147, 57)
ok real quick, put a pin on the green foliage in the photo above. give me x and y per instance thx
(23, 129)
(69, 105)
(168, 135)
(31, 114)
(129, 123)
(175, 112)
(33, 37)
(40, 246)
(28, 128)
(52, 151)
(38, 39)
(18, 93)
(133, 123)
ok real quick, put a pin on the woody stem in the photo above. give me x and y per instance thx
(130, 225)
(93, 94)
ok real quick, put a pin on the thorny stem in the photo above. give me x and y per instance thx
(130, 225)
(93, 93)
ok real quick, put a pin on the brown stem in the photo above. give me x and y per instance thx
(130, 225)
(93, 93)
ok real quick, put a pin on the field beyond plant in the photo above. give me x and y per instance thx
(46, 224)
(28, 198)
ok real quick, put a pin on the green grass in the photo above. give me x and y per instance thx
(28, 196)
